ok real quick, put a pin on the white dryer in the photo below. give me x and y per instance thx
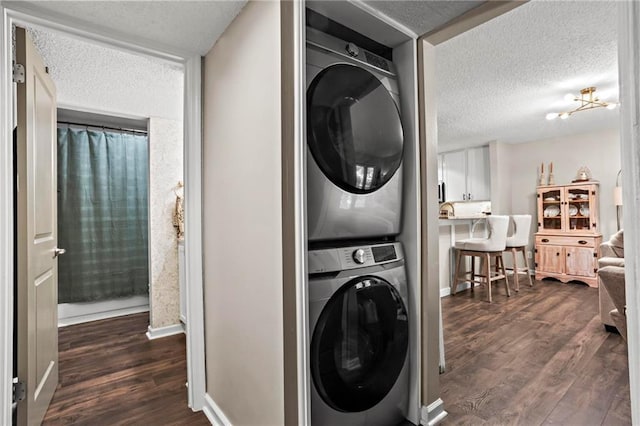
(354, 140)
(359, 331)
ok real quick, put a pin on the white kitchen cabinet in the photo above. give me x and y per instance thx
(478, 175)
(466, 174)
(455, 175)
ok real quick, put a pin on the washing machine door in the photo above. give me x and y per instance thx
(359, 344)
(354, 130)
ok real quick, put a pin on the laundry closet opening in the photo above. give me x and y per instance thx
(103, 217)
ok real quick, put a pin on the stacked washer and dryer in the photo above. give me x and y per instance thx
(358, 296)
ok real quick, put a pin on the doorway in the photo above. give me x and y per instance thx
(587, 138)
(152, 180)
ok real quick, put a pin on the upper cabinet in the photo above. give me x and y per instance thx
(466, 174)
(568, 208)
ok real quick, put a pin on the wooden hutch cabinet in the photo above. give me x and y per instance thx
(568, 238)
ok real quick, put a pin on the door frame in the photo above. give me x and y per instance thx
(191, 64)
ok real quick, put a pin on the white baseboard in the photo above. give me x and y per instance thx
(433, 413)
(215, 415)
(77, 313)
(170, 330)
(447, 290)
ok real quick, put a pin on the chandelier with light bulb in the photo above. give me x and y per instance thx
(587, 101)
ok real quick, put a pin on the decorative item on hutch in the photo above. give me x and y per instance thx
(568, 238)
(583, 175)
(542, 181)
(552, 180)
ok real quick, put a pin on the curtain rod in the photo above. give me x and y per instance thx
(69, 123)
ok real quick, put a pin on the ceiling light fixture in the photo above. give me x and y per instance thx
(587, 101)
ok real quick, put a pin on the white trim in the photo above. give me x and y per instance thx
(78, 313)
(629, 73)
(6, 221)
(26, 14)
(160, 332)
(433, 413)
(73, 107)
(444, 292)
(196, 373)
(300, 200)
(215, 415)
(22, 15)
(387, 20)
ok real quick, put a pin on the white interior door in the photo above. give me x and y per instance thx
(37, 296)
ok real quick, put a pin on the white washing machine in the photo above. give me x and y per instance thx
(359, 331)
(354, 141)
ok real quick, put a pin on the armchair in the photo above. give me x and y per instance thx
(611, 255)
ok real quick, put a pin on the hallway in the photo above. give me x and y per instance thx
(111, 374)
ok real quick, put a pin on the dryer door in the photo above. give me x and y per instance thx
(359, 344)
(354, 130)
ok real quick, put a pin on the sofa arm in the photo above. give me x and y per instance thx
(606, 250)
(612, 277)
(611, 261)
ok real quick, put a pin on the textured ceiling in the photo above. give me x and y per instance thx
(498, 81)
(180, 25)
(98, 78)
(423, 16)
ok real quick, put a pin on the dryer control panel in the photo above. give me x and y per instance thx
(345, 258)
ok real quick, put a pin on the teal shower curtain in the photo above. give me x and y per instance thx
(102, 215)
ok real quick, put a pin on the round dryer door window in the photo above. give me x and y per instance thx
(359, 345)
(354, 130)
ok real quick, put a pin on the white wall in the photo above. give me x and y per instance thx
(243, 219)
(96, 78)
(600, 151)
(514, 173)
(165, 170)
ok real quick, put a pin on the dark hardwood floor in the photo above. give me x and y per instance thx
(541, 356)
(111, 374)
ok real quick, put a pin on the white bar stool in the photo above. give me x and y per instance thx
(485, 249)
(518, 242)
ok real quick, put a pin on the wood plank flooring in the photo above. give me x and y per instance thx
(111, 374)
(541, 356)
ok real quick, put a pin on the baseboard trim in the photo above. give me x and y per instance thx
(79, 319)
(170, 330)
(444, 292)
(434, 413)
(215, 415)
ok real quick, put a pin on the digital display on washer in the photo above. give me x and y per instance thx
(383, 253)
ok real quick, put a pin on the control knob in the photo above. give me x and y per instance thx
(358, 256)
(352, 49)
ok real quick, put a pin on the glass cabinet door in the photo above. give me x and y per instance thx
(551, 212)
(578, 209)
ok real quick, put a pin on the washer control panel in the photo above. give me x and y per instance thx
(345, 258)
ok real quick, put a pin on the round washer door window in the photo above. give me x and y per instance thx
(359, 344)
(354, 130)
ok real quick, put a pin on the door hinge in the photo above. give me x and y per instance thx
(19, 391)
(18, 73)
